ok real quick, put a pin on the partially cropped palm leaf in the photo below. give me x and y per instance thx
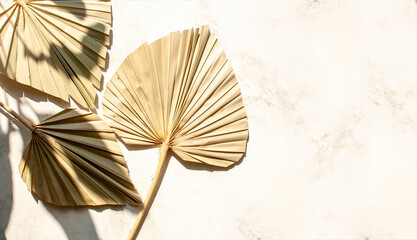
(73, 159)
(179, 92)
(56, 46)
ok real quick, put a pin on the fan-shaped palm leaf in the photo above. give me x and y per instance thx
(179, 92)
(73, 159)
(56, 46)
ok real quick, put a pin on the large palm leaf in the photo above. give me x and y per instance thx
(179, 93)
(73, 159)
(56, 46)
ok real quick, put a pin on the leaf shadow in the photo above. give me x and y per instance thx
(91, 35)
(17, 91)
(70, 221)
(76, 223)
(6, 184)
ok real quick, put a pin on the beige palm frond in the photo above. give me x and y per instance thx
(179, 92)
(56, 46)
(73, 159)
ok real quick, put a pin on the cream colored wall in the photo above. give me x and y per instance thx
(330, 89)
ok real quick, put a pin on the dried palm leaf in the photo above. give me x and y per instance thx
(57, 47)
(178, 93)
(73, 159)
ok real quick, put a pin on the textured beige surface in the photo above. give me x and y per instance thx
(330, 91)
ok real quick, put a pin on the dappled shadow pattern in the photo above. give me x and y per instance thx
(73, 159)
(61, 192)
(18, 90)
(67, 49)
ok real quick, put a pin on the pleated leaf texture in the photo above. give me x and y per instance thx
(180, 90)
(73, 159)
(58, 47)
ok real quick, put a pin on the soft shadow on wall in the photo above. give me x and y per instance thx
(6, 196)
(76, 223)
(6, 163)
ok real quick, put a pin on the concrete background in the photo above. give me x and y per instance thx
(331, 96)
